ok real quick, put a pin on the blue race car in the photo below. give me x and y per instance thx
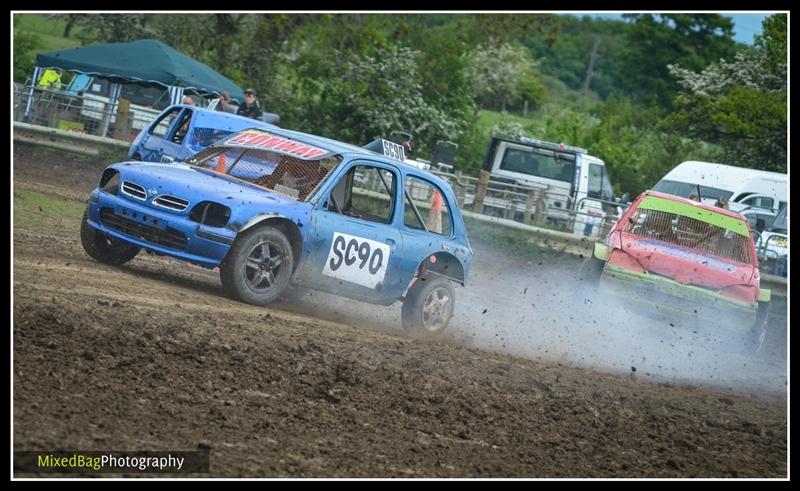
(275, 207)
(181, 131)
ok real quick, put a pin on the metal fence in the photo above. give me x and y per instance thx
(79, 112)
(773, 254)
(92, 114)
(534, 205)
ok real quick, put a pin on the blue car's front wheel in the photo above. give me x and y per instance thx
(258, 266)
(105, 248)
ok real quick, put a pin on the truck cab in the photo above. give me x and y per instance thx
(577, 190)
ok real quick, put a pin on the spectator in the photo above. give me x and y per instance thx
(250, 108)
(722, 202)
(225, 103)
(50, 79)
(188, 100)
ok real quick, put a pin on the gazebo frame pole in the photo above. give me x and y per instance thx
(37, 71)
(111, 108)
(176, 95)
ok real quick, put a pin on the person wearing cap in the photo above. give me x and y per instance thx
(250, 108)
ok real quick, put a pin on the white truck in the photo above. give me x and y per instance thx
(577, 190)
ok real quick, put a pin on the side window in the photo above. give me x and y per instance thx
(204, 137)
(364, 192)
(519, 161)
(182, 128)
(163, 124)
(759, 202)
(426, 208)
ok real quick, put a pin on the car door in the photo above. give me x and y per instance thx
(594, 188)
(427, 222)
(354, 248)
(156, 145)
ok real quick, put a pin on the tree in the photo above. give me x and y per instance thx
(112, 28)
(567, 59)
(654, 41)
(630, 138)
(372, 96)
(26, 45)
(498, 71)
(740, 105)
(72, 20)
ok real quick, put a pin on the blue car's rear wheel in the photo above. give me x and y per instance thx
(105, 248)
(258, 266)
(428, 306)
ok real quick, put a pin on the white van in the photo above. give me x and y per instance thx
(749, 187)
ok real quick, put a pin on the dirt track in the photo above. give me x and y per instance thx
(152, 356)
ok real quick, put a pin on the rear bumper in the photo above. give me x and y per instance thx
(658, 294)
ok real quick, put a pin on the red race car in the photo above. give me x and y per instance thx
(685, 259)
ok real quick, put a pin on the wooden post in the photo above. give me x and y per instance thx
(122, 124)
(512, 210)
(529, 205)
(539, 207)
(480, 191)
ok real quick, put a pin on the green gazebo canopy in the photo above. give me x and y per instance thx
(143, 61)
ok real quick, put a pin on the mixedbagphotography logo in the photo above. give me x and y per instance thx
(88, 462)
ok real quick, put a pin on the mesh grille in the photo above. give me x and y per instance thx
(691, 233)
(168, 237)
(290, 176)
(171, 202)
(134, 190)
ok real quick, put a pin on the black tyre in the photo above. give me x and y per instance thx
(258, 266)
(755, 339)
(105, 248)
(750, 342)
(590, 272)
(428, 306)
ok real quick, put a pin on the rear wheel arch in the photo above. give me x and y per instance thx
(443, 264)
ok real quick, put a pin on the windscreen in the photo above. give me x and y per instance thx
(685, 189)
(540, 163)
(290, 176)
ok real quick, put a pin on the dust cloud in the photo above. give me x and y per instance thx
(540, 310)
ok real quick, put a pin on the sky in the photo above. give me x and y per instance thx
(746, 25)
